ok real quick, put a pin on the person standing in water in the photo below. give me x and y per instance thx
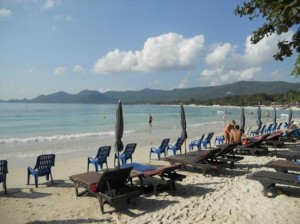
(150, 120)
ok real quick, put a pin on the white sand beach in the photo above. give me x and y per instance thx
(222, 197)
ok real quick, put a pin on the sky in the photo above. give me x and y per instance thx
(48, 46)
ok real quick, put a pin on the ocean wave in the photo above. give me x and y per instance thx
(58, 137)
(208, 123)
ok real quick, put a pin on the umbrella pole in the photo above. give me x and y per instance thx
(118, 159)
(185, 146)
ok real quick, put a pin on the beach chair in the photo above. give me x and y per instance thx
(207, 140)
(42, 168)
(3, 173)
(200, 159)
(155, 176)
(278, 126)
(177, 146)
(100, 158)
(289, 155)
(262, 130)
(127, 154)
(283, 165)
(108, 186)
(254, 146)
(226, 154)
(161, 149)
(248, 132)
(274, 128)
(255, 131)
(196, 143)
(269, 180)
(268, 129)
(219, 139)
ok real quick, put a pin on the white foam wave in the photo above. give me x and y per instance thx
(202, 124)
(58, 137)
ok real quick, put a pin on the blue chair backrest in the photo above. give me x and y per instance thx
(209, 136)
(200, 140)
(179, 143)
(44, 163)
(279, 126)
(129, 150)
(103, 153)
(164, 145)
(3, 170)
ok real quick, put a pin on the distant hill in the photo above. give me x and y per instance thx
(167, 96)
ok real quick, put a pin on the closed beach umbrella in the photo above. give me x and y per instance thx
(290, 117)
(258, 122)
(183, 125)
(274, 116)
(242, 120)
(119, 130)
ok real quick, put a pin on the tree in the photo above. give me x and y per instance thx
(281, 16)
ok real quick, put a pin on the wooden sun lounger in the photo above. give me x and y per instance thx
(156, 176)
(283, 165)
(253, 147)
(199, 159)
(108, 186)
(227, 154)
(289, 155)
(269, 179)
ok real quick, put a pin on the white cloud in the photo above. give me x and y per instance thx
(59, 70)
(49, 4)
(184, 82)
(5, 12)
(29, 70)
(78, 68)
(264, 50)
(220, 75)
(219, 54)
(227, 66)
(166, 52)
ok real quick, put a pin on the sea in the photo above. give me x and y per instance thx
(68, 130)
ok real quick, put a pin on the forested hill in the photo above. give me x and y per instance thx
(188, 95)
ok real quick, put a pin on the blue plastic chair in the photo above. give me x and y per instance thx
(262, 130)
(161, 149)
(279, 126)
(100, 159)
(127, 154)
(207, 140)
(219, 139)
(274, 128)
(256, 131)
(177, 146)
(3, 172)
(268, 129)
(196, 143)
(42, 168)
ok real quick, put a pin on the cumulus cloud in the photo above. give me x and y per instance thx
(219, 54)
(78, 68)
(184, 83)
(225, 65)
(166, 52)
(5, 12)
(49, 4)
(265, 49)
(59, 70)
(220, 75)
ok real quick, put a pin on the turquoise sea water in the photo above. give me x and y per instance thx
(27, 130)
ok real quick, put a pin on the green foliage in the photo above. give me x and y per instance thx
(289, 97)
(281, 16)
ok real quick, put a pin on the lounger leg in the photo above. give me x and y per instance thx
(4, 186)
(88, 165)
(36, 180)
(101, 204)
(28, 176)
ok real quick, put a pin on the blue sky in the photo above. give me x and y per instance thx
(72, 45)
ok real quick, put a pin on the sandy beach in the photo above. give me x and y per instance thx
(222, 197)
